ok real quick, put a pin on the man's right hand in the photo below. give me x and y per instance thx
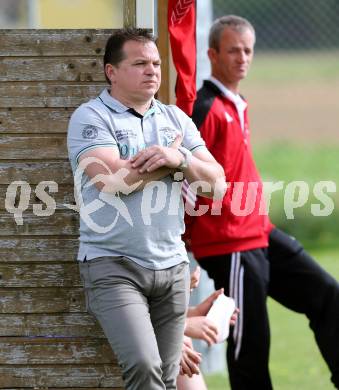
(156, 156)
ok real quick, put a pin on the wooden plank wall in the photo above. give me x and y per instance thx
(46, 338)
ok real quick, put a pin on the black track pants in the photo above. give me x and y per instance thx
(285, 272)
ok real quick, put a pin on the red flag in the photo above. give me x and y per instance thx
(181, 27)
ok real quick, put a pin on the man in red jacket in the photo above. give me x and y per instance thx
(237, 245)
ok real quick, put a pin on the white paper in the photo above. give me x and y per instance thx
(221, 313)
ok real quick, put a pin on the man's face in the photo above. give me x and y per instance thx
(231, 62)
(137, 77)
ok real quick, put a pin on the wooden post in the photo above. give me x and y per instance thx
(164, 49)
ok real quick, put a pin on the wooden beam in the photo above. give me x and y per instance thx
(130, 12)
(54, 43)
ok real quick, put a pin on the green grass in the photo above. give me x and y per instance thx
(277, 67)
(288, 161)
(311, 164)
(295, 362)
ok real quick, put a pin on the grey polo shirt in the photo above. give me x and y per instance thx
(144, 226)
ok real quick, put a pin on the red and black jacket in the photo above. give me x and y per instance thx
(242, 223)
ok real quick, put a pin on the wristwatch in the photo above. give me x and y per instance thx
(187, 157)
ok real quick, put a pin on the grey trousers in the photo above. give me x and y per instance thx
(142, 313)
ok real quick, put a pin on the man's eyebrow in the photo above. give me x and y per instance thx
(239, 47)
(146, 59)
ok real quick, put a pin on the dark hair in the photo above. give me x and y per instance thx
(232, 21)
(114, 47)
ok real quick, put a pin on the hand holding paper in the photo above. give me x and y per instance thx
(221, 313)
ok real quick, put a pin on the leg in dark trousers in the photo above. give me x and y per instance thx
(244, 276)
(299, 283)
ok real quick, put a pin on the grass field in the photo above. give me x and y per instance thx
(289, 162)
(295, 361)
(294, 96)
(293, 66)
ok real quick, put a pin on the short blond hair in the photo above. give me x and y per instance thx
(232, 21)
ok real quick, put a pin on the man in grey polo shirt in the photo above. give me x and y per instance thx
(128, 153)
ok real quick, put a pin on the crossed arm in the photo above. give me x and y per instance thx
(153, 163)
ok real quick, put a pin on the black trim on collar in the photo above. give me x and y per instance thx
(135, 113)
(205, 98)
(130, 110)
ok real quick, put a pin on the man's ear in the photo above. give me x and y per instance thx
(212, 53)
(110, 72)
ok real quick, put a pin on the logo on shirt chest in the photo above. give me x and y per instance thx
(228, 117)
(168, 135)
(128, 142)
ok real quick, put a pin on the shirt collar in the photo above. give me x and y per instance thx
(118, 107)
(236, 99)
